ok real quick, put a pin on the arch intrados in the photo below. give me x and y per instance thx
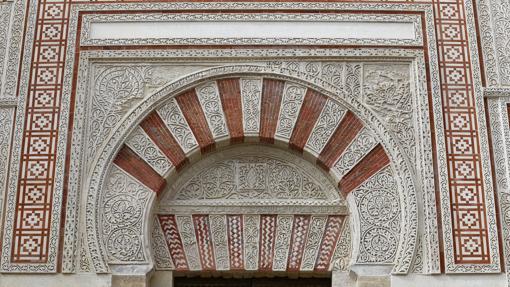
(137, 114)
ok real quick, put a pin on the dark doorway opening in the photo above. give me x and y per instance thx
(251, 282)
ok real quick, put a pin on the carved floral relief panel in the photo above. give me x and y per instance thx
(379, 212)
(125, 204)
(387, 91)
(251, 178)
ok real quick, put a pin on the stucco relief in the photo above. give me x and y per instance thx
(252, 175)
(5, 13)
(379, 212)
(189, 242)
(257, 177)
(317, 227)
(158, 75)
(251, 90)
(162, 259)
(281, 246)
(209, 98)
(409, 226)
(6, 121)
(146, 149)
(219, 236)
(116, 90)
(291, 103)
(189, 6)
(88, 39)
(172, 115)
(501, 20)
(251, 241)
(252, 178)
(387, 91)
(495, 30)
(125, 203)
(328, 121)
(499, 115)
(12, 19)
(343, 250)
(358, 148)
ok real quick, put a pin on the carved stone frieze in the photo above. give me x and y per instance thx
(281, 247)
(187, 232)
(418, 259)
(5, 13)
(251, 241)
(12, 19)
(219, 235)
(253, 175)
(499, 115)
(248, 242)
(159, 74)
(335, 74)
(117, 88)
(343, 250)
(251, 90)
(251, 178)
(495, 31)
(501, 20)
(255, 207)
(84, 264)
(313, 241)
(226, 17)
(146, 54)
(353, 79)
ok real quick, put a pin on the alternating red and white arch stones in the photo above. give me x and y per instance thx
(234, 109)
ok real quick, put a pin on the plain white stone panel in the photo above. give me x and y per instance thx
(252, 29)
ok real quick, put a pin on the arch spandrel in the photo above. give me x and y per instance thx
(341, 135)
